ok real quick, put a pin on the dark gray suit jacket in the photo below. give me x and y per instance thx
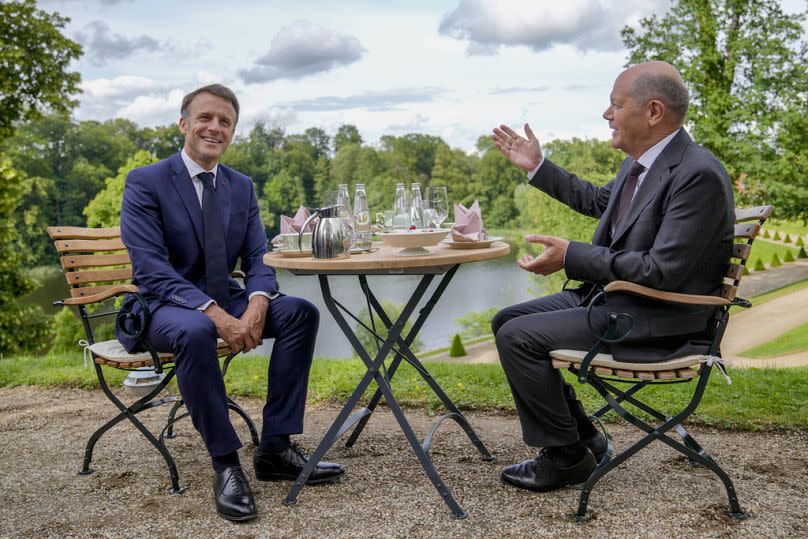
(677, 237)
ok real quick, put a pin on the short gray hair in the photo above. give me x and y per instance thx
(218, 90)
(670, 90)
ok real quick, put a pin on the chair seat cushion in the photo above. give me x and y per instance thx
(682, 367)
(113, 354)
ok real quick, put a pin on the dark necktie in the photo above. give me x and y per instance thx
(215, 251)
(627, 194)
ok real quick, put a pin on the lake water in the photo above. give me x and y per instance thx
(475, 287)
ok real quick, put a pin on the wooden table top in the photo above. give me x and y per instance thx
(386, 261)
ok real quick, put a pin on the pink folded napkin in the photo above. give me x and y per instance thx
(468, 223)
(291, 225)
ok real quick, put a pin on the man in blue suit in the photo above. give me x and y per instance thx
(186, 221)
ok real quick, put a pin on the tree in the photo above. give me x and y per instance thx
(745, 65)
(22, 327)
(34, 61)
(283, 194)
(104, 209)
(346, 134)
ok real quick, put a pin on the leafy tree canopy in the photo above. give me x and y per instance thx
(34, 61)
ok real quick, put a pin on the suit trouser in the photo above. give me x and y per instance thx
(191, 336)
(525, 335)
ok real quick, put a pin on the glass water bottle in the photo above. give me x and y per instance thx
(401, 209)
(417, 215)
(361, 213)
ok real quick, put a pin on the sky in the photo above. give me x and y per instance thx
(450, 68)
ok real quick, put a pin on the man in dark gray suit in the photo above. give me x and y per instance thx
(666, 222)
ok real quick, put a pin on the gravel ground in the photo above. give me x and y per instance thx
(384, 493)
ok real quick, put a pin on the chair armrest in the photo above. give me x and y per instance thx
(106, 294)
(672, 297)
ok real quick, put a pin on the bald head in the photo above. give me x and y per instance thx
(660, 81)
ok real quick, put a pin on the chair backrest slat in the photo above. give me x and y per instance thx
(98, 276)
(741, 250)
(734, 272)
(89, 246)
(94, 259)
(760, 213)
(744, 229)
(81, 233)
(747, 230)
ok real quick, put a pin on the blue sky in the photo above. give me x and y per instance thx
(452, 68)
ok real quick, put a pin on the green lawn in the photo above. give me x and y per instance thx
(792, 341)
(758, 399)
(765, 250)
(791, 227)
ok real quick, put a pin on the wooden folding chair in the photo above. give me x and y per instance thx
(97, 268)
(603, 372)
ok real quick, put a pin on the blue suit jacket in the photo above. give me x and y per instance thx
(161, 226)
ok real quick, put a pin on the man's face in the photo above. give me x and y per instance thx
(627, 118)
(209, 128)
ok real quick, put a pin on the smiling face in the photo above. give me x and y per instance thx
(208, 129)
(629, 120)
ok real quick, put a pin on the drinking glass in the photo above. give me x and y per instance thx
(436, 205)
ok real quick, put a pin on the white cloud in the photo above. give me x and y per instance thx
(153, 110)
(102, 46)
(126, 85)
(302, 49)
(586, 24)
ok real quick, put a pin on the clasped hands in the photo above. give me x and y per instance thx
(241, 334)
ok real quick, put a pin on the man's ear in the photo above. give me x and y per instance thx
(182, 125)
(656, 111)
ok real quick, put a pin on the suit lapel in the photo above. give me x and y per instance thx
(185, 187)
(651, 184)
(601, 236)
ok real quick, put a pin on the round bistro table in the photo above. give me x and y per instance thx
(383, 260)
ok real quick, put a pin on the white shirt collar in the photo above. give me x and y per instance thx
(647, 159)
(195, 169)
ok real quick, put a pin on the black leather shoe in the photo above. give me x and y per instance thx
(287, 465)
(596, 443)
(542, 474)
(234, 498)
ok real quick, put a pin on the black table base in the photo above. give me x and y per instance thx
(400, 346)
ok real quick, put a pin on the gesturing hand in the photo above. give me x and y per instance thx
(548, 261)
(525, 153)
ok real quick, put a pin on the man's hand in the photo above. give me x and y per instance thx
(234, 332)
(525, 153)
(548, 261)
(254, 318)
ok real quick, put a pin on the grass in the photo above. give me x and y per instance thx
(758, 399)
(791, 227)
(795, 340)
(765, 250)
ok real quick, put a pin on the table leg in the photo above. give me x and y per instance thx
(373, 366)
(406, 353)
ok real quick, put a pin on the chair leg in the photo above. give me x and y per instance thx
(129, 413)
(170, 434)
(690, 448)
(246, 417)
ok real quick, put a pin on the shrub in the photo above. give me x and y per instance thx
(776, 236)
(457, 349)
(745, 270)
(802, 253)
(799, 242)
(67, 331)
(789, 256)
(759, 265)
(775, 263)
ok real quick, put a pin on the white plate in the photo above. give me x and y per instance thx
(409, 239)
(482, 244)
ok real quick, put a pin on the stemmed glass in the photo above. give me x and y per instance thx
(436, 205)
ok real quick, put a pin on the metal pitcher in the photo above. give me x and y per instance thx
(331, 238)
